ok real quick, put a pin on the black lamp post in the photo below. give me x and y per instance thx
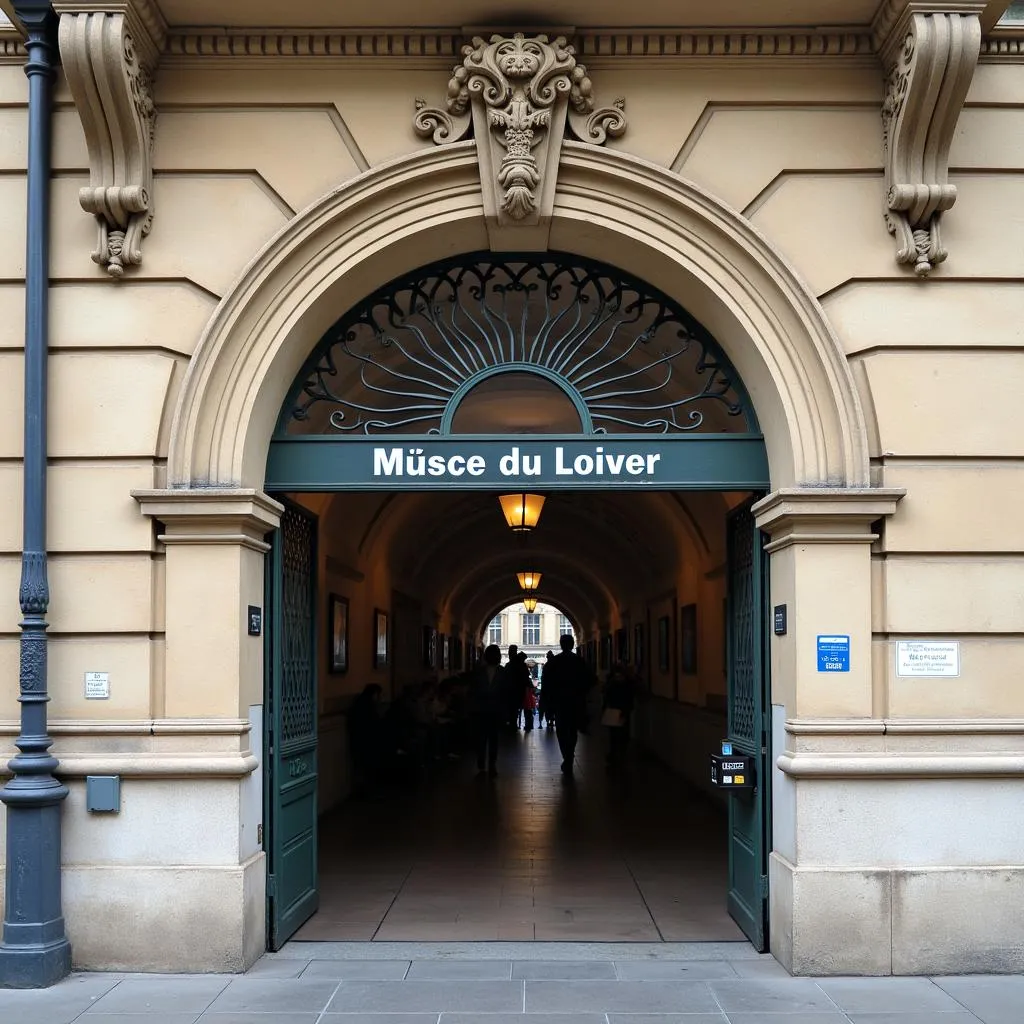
(35, 951)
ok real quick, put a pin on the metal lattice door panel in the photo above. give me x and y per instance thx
(292, 727)
(748, 701)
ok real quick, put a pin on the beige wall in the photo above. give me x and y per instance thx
(795, 148)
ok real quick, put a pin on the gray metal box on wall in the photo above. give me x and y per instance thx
(103, 793)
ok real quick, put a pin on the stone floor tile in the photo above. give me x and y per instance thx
(59, 1004)
(427, 996)
(823, 1017)
(668, 1018)
(317, 930)
(994, 999)
(789, 995)
(619, 997)
(451, 970)
(766, 968)
(375, 1018)
(126, 1018)
(921, 1017)
(692, 970)
(877, 995)
(357, 970)
(266, 967)
(530, 1018)
(255, 1018)
(563, 970)
(166, 994)
(274, 995)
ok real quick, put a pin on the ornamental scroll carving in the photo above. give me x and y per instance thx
(518, 95)
(109, 59)
(929, 59)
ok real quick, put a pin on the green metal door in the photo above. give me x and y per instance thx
(291, 733)
(748, 705)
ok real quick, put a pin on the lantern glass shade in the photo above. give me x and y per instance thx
(530, 603)
(528, 580)
(521, 511)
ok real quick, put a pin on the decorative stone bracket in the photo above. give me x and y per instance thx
(110, 51)
(929, 55)
(517, 95)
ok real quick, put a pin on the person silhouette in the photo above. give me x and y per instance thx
(568, 679)
(489, 691)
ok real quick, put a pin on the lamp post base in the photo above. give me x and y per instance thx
(35, 965)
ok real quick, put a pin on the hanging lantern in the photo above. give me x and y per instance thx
(521, 511)
(530, 603)
(528, 580)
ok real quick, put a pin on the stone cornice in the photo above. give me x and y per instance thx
(901, 766)
(823, 515)
(150, 748)
(433, 48)
(589, 44)
(905, 726)
(212, 516)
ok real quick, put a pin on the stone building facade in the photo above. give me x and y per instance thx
(838, 206)
(534, 636)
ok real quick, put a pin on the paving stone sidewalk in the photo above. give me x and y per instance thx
(501, 983)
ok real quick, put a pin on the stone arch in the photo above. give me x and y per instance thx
(427, 206)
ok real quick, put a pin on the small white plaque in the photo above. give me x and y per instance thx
(97, 685)
(927, 657)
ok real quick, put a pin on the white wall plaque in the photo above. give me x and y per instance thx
(97, 685)
(927, 657)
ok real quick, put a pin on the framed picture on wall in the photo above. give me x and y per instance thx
(338, 632)
(638, 645)
(622, 646)
(380, 638)
(664, 659)
(429, 647)
(688, 639)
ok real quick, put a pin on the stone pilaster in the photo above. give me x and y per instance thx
(215, 545)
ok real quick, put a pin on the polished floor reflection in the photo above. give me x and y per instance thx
(527, 856)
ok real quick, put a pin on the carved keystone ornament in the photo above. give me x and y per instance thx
(929, 59)
(517, 94)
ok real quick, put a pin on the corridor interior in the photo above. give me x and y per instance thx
(527, 856)
(642, 578)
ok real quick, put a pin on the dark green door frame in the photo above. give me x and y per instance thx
(290, 732)
(749, 703)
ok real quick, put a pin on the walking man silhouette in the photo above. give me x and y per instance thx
(567, 679)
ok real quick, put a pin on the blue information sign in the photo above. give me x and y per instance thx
(833, 653)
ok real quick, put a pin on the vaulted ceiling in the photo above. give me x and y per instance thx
(598, 551)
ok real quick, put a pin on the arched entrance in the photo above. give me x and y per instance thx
(671, 236)
(570, 375)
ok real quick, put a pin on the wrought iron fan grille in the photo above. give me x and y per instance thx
(628, 358)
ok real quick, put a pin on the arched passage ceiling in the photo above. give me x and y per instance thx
(598, 551)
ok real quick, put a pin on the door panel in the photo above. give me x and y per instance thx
(748, 865)
(291, 754)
